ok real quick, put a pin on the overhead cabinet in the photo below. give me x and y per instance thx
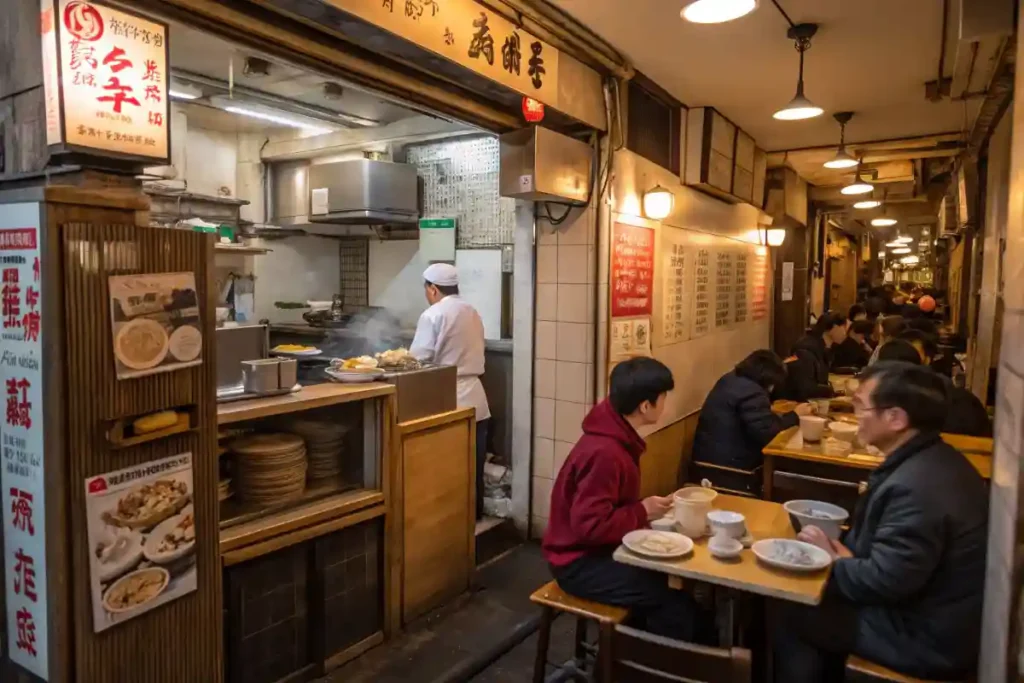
(721, 159)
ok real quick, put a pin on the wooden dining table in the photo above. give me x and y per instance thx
(746, 573)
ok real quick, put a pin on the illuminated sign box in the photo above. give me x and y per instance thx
(106, 77)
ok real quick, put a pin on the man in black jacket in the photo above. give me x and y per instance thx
(854, 353)
(908, 579)
(808, 364)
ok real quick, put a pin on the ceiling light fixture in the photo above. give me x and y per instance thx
(800, 107)
(842, 159)
(883, 221)
(858, 186)
(894, 244)
(183, 91)
(868, 204)
(775, 236)
(658, 202)
(901, 250)
(903, 239)
(717, 11)
(279, 120)
(910, 260)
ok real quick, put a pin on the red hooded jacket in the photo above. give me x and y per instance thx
(596, 497)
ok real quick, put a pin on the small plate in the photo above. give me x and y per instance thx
(658, 544)
(794, 556)
(724, 548)
(355, 376)
(298, 354)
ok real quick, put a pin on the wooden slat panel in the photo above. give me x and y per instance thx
(180, 641)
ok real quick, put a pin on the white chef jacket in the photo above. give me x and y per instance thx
(451, 333)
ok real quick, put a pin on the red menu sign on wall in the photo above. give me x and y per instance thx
(632, 270)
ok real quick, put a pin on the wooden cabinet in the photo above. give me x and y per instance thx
(721, 159)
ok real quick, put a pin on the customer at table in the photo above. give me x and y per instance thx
(596, 501)
(808, 364)
(737, 421)
(857, 312)
(887, 327)
(908, 578)
(966, 413)
(855, 351)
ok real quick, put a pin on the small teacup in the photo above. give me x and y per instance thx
(727, 523)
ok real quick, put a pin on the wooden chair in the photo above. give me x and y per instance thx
(730, 480)
(554, 600)
(639, 657)
(862, 671)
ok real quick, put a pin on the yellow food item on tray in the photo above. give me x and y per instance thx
(155, 422)
(293, 348)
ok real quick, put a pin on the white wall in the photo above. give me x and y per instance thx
(212, 161)
(298, 269)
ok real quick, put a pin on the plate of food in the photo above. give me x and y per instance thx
(172, 539)
(397, 359)
(791, 555)
(148, 505)
(355, 375)
(134, 590)
(296, 350)
(141, 344)
(117, 551)
(657, 544)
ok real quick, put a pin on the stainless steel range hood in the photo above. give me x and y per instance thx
(331, 198)
(363, 192)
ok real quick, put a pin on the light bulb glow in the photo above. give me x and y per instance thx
(894, 244)
(280, 120)
(842, 159)
(904, 239)
(776, 236)
(658, 203)
(857, 187)
(868, 204)
(798, 109)
(883, 222)
(901, 250)
(717, 11)
(910, 260)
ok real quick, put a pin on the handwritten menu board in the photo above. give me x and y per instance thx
(22, 488)
(632, 271)
(676, 306)
(723, 288)
(759, 288)
(739, 308)
(701, 321)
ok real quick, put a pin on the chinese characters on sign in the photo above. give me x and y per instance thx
(759, 300)
(632, 271)
(675, 306)
(723, 288)
(113, 79)
(21, 458)
(469, 33)
(701, 293)
(740, 306)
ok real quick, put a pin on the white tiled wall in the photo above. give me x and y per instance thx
(563, 348)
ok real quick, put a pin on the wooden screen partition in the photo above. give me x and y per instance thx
(180, 641)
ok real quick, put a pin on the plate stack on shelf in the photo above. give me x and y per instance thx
(324, 445)
(269, 468)
(224, 489)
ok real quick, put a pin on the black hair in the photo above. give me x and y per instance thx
(926, 325)
(637, 380)
(446, 290)
(826, 322)
(763, 367)
(892, 325)
(927, 342)
(864, 327)
(855, 310)
(899, 350)
(916, 390)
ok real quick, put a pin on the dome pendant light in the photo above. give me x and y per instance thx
(885, 220)
(717, 11)
(800, 107)
(842, 159)
(858, 186)
(867, 204)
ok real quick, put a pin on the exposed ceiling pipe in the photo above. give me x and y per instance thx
(557, 27)
(936, 93)
(998, 95)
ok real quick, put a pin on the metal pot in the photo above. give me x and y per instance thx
(261, 376)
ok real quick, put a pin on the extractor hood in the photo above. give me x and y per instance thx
(363, 192)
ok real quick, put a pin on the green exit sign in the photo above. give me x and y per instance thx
(437, 224)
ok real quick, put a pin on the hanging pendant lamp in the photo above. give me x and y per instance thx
(885, 220)
(858, 186)
(867, 204)
(800, 107)
(842, 159)
(717, 11)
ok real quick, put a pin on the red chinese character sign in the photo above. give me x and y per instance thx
(22, 490)
(106, 80)
(632, 271)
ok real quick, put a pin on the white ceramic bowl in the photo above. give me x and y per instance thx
(724, 548)
(727, 523)
(843, 431)
(812, 427)
(826, 516)
(664, 524)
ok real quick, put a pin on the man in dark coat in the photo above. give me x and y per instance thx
(907, 584)
(808, 364)
(737, 421)
(854, 352)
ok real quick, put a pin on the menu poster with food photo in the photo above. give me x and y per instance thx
(156, 323)
(142, 538)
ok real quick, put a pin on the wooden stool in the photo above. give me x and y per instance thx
(862, 671)
(553, 599)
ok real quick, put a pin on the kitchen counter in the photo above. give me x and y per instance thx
(315, 396)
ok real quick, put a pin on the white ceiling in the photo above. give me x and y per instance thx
(871, 57)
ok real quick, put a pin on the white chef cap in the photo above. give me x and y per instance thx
(442, 275)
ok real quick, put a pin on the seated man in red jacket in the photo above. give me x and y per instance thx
(596, 501)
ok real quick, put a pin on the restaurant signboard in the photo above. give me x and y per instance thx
(22, 484)
(105, 80)
(632, 271)
(471, 34)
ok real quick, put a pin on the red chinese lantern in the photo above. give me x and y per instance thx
(533, 111)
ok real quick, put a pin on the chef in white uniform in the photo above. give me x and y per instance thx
(450, 332)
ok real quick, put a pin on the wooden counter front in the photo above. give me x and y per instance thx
(434, 511)
(306, 398)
